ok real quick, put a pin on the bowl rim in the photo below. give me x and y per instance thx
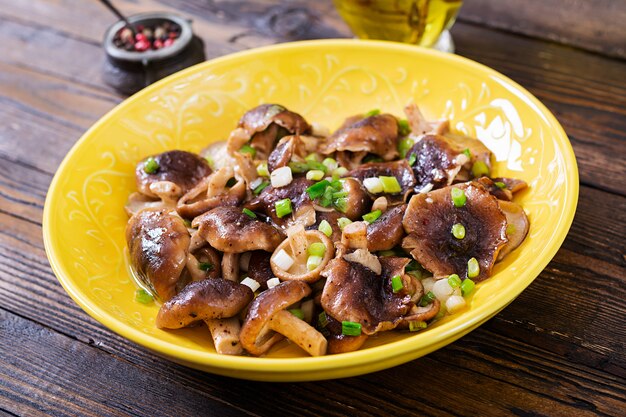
(444, 333)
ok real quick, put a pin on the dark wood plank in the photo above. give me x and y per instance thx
(596, 25)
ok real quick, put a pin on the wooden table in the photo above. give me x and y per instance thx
(557, 350)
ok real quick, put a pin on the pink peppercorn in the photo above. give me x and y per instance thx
(158, 44)
(142, 45)
(168, 42)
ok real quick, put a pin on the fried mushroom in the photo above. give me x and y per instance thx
(517, 226)
(436, 162)
(267, 321)
(290, 260)
(158, 243)
(295, 191)
(360, 135)
(355, 293)
(429, 220)
(184, 169)
(401, 170)
(228, 229)
(211, 192)
(214, 301)
(387, 231)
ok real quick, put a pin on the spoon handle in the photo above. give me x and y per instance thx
(115, 11)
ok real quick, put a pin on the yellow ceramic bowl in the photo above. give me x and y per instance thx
(325, 81)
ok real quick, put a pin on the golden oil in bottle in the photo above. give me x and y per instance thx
(418, 22)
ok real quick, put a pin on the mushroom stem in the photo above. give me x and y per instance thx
(299, 332)
(230, 266)
(225, 334)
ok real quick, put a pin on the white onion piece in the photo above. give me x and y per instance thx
(442, 290)
(283, 260)
(249, 282)
(455, 303)
(281, 177)
(374, 185)
(272, 282)
(428, 283)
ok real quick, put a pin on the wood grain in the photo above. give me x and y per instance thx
(596, 25)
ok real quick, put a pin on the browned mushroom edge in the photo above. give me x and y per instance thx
(158, 244)
(429, 220)
(185, 169)
(228, 229)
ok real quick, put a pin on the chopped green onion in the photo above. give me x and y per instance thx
(298, 167)
(312, 157)
(373, 216)
(248, 149)
(327, 197)
(262, 170)
(205, 266)
(341, 204)
(315, 175)
(390, 184)
(404, 145)
(343, 222)
(373, 112)
(330, 164)
(336, 185)
(412, 159)
(510, 229)
(403, 127)
(500, 184)
(458, 231)
(151, 166)
(467, 152)
(340, 172)
(427, 298)
(340, 194)
(313, 262)
(325, 228)
(473, 269)
(454, 281)
(322, 319)
(316, 249)
(142, 296)
(283, 207)
(261, 187)
(458, 197)
(373, 185)
(249, 213)
(467, 286)
(396, 283)
(350, 328)
(479, 169)
(317, 166)
(317, 189)
(297, 312)
(416, 326)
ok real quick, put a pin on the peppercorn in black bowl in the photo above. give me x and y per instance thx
(156, 45)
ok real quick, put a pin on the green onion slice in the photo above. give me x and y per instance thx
(473, 269)
(467, 286)
(297, 312)
(283, 207)
(479, 169)
(458, 197)
(403, 127)
(151, 166)
(325, 228)
(205, 266)
(316, 249)
(248, 149)
(396, 283)
(458, 231)
(261, 187)
(373, 112)
(142, 296)
(454, 281)
(416, 326)
(390, 184)
(350, 328)
(373, 216)
(316, 190)
(249, 213)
